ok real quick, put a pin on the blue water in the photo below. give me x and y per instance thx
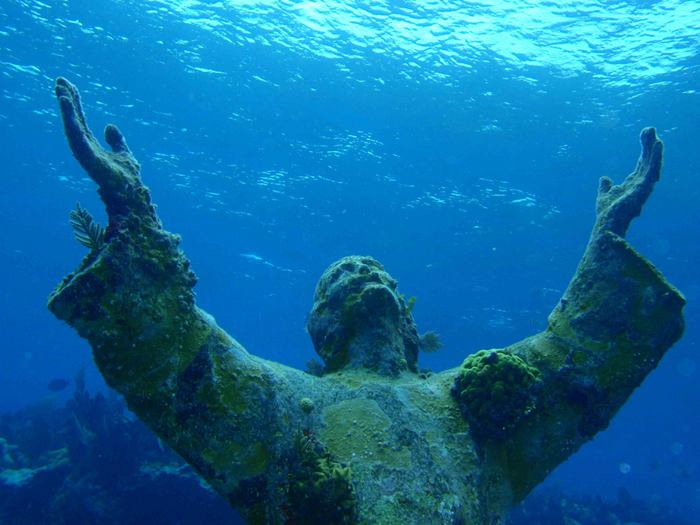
(459, 145)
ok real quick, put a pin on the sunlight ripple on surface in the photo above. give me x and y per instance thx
(621, 42)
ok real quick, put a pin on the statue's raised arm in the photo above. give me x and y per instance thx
(532, 404)
(221, 409)
(370, 440)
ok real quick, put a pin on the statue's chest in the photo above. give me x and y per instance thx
(410, 453)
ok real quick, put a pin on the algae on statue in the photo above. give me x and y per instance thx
(370, 441)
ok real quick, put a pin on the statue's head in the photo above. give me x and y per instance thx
(359, 320)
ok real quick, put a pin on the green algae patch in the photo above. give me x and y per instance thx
(361, 377)
(244, 462)
(227, 454)
(433, 397)
(545, 351)
(560, 327)
(358, 429)
(229, 385)
(223, 386)
(255, 461)
(390, 510)
(496, 390)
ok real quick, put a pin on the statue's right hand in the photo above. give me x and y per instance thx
(116, 172)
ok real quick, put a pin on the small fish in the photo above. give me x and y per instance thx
(430, 342)
(56, 385)
(252, 257)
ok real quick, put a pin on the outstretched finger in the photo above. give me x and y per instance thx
(116, 172)
(648, 168)
(81, 140)
(115, 139)
(618, 205)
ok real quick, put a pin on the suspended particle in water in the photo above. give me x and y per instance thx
(687, 367)
(625, 468)
(677, 448)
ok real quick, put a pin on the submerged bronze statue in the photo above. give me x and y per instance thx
(372, 441)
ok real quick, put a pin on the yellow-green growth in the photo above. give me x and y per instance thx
(495, 391)
(306, 405)
(358, 429)
(410, 303)
(320, 489)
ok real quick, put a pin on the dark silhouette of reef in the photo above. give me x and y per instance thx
(91, 462)
(556, 508)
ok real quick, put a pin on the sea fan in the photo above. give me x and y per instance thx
(87, 232)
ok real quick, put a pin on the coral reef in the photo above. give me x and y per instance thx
(395, 446)
(89, 462)
(555, 508)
